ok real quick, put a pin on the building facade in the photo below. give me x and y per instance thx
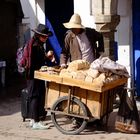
(116, 19)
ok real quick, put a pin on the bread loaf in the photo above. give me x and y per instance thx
(78, 65)
(88, 79)
(111, 78)
(65, 73)
(93, 73)
(100, 80)
(80, 75)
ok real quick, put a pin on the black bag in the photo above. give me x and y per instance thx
(25, 104)
(127, 119)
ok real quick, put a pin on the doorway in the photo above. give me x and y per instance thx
(58, 12)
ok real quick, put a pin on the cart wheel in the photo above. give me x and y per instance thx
(65, 123)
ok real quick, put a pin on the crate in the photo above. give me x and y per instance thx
(98, 103)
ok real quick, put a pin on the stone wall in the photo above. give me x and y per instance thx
(106, 20)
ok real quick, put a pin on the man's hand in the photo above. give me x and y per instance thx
(63, 66)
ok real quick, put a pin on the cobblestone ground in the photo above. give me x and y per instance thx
(13, 128)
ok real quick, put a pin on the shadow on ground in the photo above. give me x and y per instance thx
(10, 104)
(10, 95)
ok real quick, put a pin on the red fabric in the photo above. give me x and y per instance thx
(26, 61)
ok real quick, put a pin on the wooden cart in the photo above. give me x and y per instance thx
(73, 103)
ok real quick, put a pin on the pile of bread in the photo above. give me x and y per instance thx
(82, 70)
(50, 70)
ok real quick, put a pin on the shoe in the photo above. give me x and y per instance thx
(39, 126)
(31, 122)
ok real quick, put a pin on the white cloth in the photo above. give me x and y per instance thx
(105, 64)
(85, 47)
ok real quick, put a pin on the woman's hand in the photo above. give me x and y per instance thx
(50, 56)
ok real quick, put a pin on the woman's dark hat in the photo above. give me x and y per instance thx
(42, 30)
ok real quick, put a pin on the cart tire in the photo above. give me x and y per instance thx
(66, 123)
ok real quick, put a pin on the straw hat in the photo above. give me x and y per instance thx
(42, 30)
(75, 22)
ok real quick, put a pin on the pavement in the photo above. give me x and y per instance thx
(12, 126)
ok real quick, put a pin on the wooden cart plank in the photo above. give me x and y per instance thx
(82, 84)
(47, 77)
(79, 83)
(94, 86)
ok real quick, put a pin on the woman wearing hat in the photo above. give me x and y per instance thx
(80, 42)
(36, 87)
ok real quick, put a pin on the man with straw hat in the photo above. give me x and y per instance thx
(80, 42)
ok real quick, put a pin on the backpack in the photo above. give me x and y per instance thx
(23, 57)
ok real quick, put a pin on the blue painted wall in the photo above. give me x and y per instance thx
(136, 43)
(57, 12)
